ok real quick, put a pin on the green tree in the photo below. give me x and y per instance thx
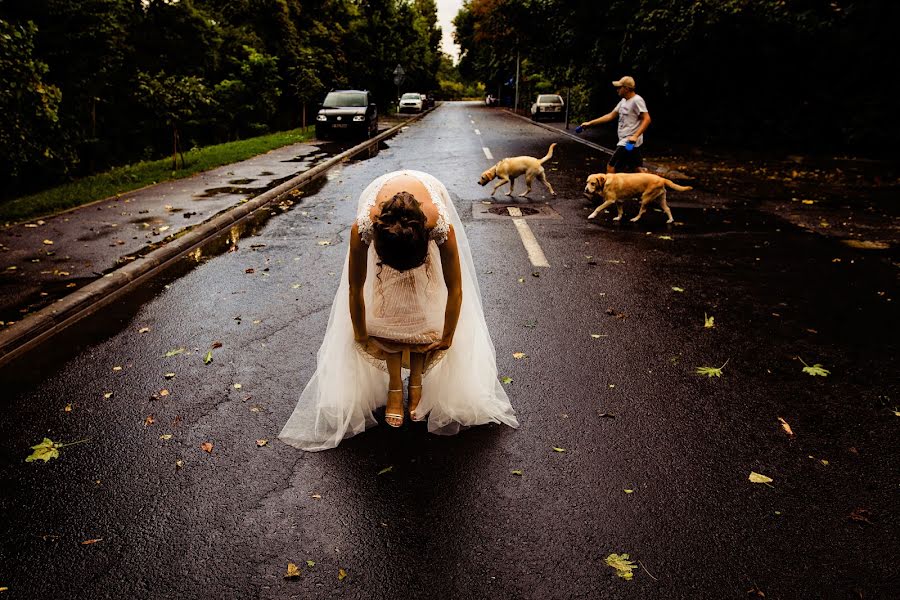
(174, 99)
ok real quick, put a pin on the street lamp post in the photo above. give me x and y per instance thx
(399, 73)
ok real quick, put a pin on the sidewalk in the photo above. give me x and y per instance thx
(46, 259)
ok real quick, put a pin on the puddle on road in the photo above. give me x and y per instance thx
(241, 181)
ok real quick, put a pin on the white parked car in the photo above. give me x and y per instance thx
(548, 106)
(410, 102)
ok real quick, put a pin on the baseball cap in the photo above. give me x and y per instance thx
(625, 82)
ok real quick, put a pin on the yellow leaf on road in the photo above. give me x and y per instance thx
(93, 541)
(166, 436)
(48, 242)
(207, 447)
(262, 442)
(44, 451)
(292, 572)
(786, 427)
(341, 574)
(519, 355)
(622, 565)
(759, 478)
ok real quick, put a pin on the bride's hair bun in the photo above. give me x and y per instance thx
(400, 236)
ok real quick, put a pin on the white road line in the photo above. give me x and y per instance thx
(487, 153)
(477, 132)
(535, 254)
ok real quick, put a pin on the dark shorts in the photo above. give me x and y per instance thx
(626, 161)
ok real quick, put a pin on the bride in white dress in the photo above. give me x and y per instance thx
(408, 297)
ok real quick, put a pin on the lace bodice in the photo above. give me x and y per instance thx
(364, 223)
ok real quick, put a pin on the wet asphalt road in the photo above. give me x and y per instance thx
(449, 519)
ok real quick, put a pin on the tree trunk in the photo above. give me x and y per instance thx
(174, 147)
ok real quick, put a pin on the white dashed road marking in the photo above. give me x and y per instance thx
(487, 153)
(535, 254)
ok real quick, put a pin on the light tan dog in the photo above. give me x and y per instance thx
(616, 187)
(509, 168)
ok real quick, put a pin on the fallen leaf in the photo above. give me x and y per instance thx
(516, 472)
(310, 563)
(44, 451)
(179, 464)
(861, 515)
(677, 289)
(208, 358)
(665, 237)
(622, 565)
(519, 355)
(814, 370)
(215, 345)
(293, 572)
(149, 420)
(711, 371)
(342, 574)
(69, 407)
(48, 242)
(758, 478)
(262, 442)
(295, 286)
(163, 228)
(168, 375)
(786, 427)
(163, 392)
(824, 462)
(521, 280)
(708, 322)
(385, 470)
(174, 352)
(237, 386)
(117, 368)
(324, 242)
(250, 271)
(316, 496)
(166, 436)
(207, 447)
(143, 330)
(107, 395)
(628, 491)
(506, 380)
(558, 449)
(606, 415)
(89, 542)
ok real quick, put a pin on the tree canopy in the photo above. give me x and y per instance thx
(770, 73)
(86, 84)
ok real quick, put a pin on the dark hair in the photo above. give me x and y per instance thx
(400, 237)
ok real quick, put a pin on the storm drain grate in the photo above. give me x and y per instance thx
(491, 211)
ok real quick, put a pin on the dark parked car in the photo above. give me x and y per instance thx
(347, 111)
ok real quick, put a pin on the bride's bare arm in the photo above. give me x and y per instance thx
(453, 279)
(357, 275)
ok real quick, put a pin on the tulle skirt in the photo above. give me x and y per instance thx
(460, 386)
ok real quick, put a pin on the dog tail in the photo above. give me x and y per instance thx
(674, 186)
(549, 153)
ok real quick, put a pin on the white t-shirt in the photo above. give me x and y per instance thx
(630, 118)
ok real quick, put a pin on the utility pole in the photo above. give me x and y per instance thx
(516, 106)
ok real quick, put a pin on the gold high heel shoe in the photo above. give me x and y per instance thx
(394, 415)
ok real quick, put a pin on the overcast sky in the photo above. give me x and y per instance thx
(447, 9)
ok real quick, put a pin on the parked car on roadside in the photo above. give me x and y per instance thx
(347, 111)
(548, 106)
(410, 102)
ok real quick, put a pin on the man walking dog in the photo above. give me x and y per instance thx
(633, 122)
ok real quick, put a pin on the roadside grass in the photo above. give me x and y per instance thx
(131, 177)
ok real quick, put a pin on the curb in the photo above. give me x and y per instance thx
(33, 330)
(671, 174)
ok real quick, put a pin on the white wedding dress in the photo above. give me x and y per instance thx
(460, 386)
